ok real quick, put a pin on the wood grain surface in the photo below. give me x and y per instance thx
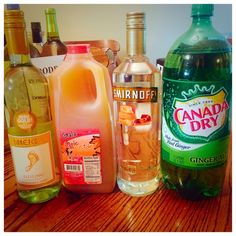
(163, 211)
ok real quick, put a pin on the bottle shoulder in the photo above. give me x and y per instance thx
(136, 65)
(53, 47)
(33, 51)
(201, 39)
(28, 72)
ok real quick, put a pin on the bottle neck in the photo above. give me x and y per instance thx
(17, 45)
(52, 28)
(202, 21)
(135, 42)
(36, 36)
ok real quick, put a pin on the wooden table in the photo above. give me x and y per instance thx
(162, 211)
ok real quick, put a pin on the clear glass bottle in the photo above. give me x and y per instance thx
(136, 102)
(197, 80)
(37, 39)
(28, 118)
(54, 46)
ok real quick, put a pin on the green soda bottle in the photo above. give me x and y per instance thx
(197, 82)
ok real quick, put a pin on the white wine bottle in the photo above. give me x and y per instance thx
(28, 117)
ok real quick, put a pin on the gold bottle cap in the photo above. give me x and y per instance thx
(135, 33)
(14, 19)
(14, 29)
(135, 20)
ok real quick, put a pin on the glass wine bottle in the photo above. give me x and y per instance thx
(28, 118)
(54, 46)
(37, 36)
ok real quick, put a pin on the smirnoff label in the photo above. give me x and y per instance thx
(135, 94)
(195, 124)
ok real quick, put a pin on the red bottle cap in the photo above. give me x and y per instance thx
(78, 48)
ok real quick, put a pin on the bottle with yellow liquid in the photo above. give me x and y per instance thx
(28, 118)
(81, 108)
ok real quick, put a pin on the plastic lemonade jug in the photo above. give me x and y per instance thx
(81, 108)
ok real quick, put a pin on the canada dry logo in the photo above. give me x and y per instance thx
(202, 112)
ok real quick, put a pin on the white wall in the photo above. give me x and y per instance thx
(164, 22)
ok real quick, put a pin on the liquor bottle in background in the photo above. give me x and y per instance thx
(160, 64)
(54, 46)
(28, 118)
(197, 80)
(136, 89)
(34, 53)
(37, 36)
(81, 98)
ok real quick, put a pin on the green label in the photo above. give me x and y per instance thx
(195, 125)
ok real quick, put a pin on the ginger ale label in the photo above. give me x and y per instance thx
(203, 114)
(195, 127)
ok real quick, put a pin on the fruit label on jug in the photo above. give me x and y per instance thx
(81, 155)
(195, 129)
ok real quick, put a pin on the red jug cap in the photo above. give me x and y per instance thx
(78, 48)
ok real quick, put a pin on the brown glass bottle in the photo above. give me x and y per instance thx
(54, 46)
(37, 36)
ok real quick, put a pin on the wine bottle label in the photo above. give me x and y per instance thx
(25, 120)
(196, 127)
(81, 156)
(33, 160)
(47, 64)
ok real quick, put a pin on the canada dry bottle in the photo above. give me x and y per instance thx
(136, 102)
(28, 118)
(53, 46)
(81, 106)
(196, 109)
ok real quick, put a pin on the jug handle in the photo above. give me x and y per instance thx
(99, 77)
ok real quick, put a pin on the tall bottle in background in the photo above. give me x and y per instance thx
(34, 53)
(37, 36)
(136, 89)
(28, 118)
(81, 101)
(54, 46)
(197, 94)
